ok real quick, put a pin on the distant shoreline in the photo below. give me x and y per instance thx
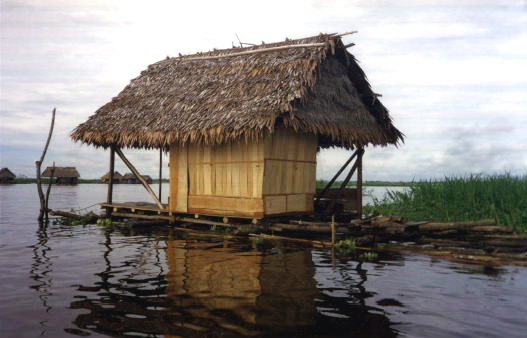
(320, 184)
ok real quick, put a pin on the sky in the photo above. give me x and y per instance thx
(453, 74)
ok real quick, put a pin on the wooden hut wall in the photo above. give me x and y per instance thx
(272, 176)
(290, 172)
(178, 179)
(226, 179)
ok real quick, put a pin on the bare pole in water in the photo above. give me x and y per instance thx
(160, 170)
(110, 181)
(38, 164)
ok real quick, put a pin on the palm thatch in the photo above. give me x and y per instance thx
(130, 178)
(6, 175)
(66, 172)
(312, 85)
(116, 177)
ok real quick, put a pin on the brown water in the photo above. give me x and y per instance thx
(59, 281)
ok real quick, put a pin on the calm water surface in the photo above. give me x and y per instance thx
(62, 281)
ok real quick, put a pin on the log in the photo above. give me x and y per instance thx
(138, 176)
(455, 225)
(92, 217)
(492, 229)
(309, 228)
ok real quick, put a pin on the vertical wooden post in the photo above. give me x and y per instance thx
(333, 229)
(110, 182)
(160, 170)
(359, 182)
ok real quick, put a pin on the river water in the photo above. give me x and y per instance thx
(64, 281)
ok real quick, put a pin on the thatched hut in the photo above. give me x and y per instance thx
(116, 177)
(243, 125)
(132, 179)
(6, 176)
(63, 175)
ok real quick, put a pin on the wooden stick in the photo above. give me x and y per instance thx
(333, 229)
(138, 176)
(254, 51)
(346, 180)
(38, 164)
(319, 196)
(160, 170)
(359, 183)
(110, 182)
(49, 188)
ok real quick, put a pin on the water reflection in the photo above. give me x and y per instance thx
(40, 270)
(220, 288)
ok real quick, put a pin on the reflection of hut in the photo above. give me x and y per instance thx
(63, 175)
(116, 177)
(243, 125)
(254, 292)
(131, 179)
(6, 176)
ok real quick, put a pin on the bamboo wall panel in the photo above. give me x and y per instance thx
(290, 171)
(178, 179)
(226, 177)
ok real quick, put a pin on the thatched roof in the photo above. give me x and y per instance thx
(312, 84)
(68, 172)
(6, 173)
(116, 175)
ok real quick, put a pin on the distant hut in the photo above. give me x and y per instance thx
(131, 179)
(116, 177)
(63, 175)
(243, 125)
(6, 176)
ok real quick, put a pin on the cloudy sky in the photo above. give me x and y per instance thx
(452, 73)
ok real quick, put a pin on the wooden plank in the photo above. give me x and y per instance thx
(207, 171)
(182, 187)
(226, 203)
(173, 166)
(235, 169)
(243, 169)
(347, 193)
(130, 215)
(299, 202)
(240, 214)
(228, 170)
(274, 205)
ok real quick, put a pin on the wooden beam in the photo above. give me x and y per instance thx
(160, 170)
(319, 195)
(109, 196)
(138, 176)
(346, 180)
(254, 51)
(359, 183)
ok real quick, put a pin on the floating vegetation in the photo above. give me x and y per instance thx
(257, 240)
(369, 255)
(474, 197)
(71, 221)
(346, 247)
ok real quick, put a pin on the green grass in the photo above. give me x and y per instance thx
(474, 197)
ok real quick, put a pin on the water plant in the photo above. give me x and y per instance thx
(473, 197)
(369, 255)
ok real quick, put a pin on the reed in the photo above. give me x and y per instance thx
(473, 197)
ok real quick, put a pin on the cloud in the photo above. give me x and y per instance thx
(453, 74)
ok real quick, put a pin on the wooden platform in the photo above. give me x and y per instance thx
(138, 210)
